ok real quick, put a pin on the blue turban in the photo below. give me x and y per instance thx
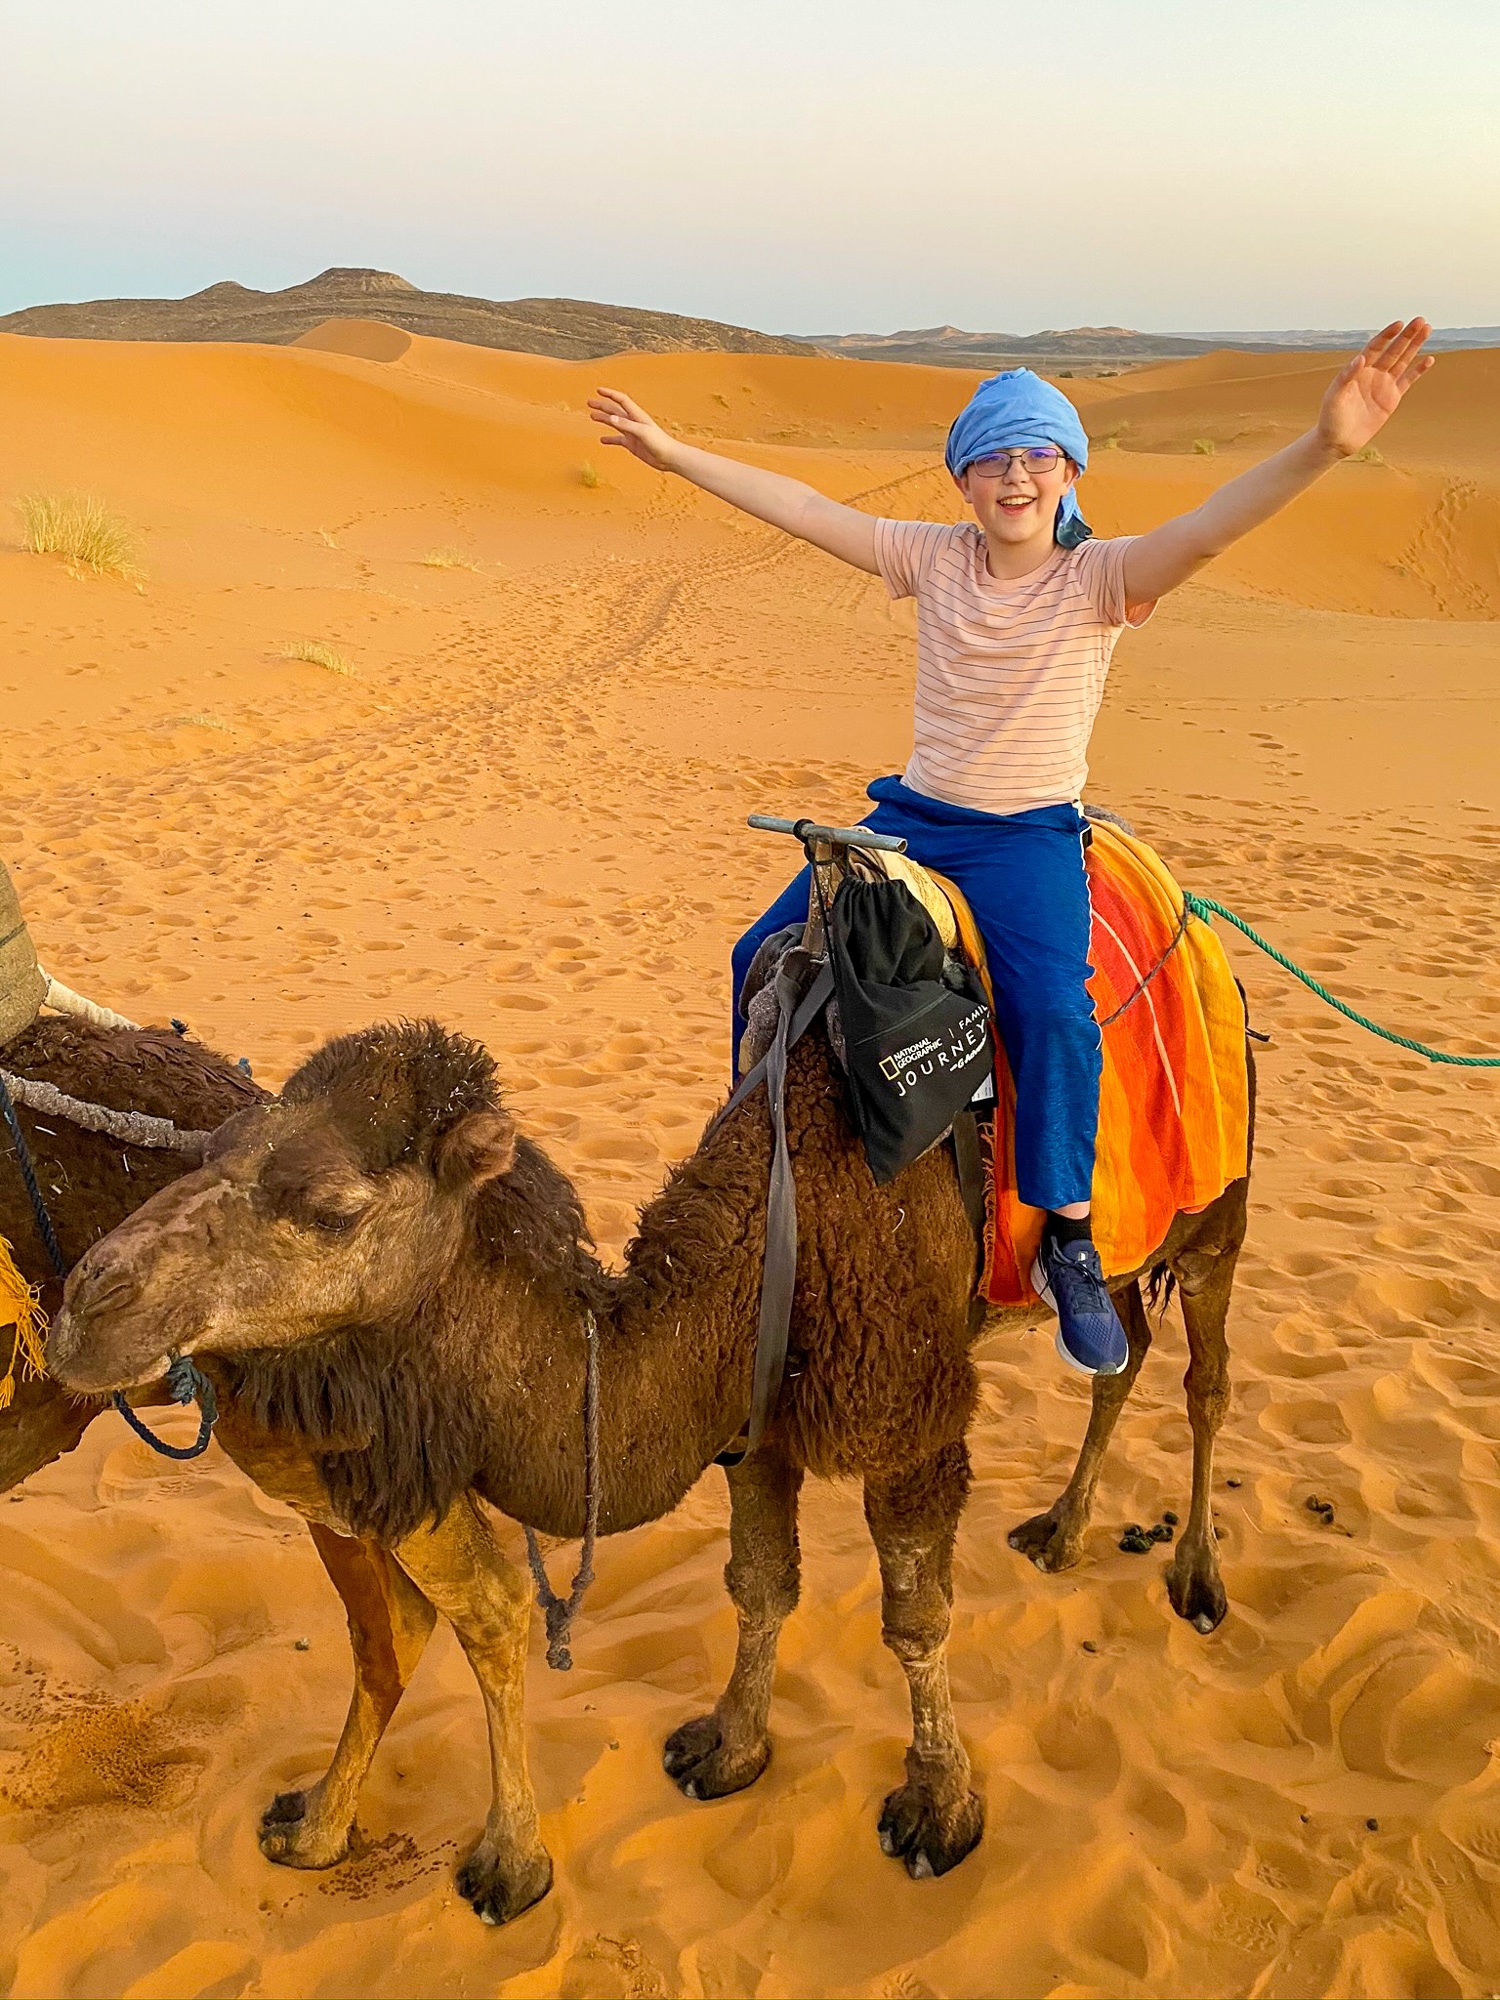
(1019, 409)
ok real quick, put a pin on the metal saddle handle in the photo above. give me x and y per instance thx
(809, 831)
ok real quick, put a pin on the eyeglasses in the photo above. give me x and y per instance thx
(1035, 458)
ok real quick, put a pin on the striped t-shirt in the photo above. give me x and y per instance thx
(1009, 675)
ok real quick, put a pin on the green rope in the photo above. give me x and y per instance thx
(1205, 906)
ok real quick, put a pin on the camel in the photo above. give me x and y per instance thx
(90, 1182)
(393, 1291)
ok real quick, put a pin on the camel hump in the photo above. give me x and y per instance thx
(23, 984)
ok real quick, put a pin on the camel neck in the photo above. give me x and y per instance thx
(676, 1334)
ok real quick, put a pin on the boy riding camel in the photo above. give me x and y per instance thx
(1018, 612)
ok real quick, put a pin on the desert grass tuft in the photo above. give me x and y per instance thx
(1204, 447)
(82, 531)
(587, 475)
(316, 654)
(448, 559)
(1369, 456)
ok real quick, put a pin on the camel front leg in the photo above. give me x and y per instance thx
(1054, 1540)
(389, 1624)
(934, 1819)
(459, 1567)
(727, 1749)
(1193, 1582)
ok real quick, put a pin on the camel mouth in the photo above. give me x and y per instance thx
(83, 1365)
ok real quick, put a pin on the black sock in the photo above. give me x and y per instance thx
(1065, 1229)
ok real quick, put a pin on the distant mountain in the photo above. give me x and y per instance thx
(572, 329)
(1091, 346)
(952, 347)
(578, 329)
(1326, 338)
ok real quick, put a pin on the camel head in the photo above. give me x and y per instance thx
(344, 1202)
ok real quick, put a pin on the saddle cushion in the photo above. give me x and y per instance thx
(1174, 1114)
(23, 986)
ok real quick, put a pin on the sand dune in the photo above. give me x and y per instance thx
(523, 811)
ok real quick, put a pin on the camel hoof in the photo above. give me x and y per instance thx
(928, 1838)
(700, 1764)
(1047, 1542)
(287, 1839)
(1197, 1594)
(496, 1895)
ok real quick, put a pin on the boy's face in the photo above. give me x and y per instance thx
(1022, 502)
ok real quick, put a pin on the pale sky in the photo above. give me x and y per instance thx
(792, 165)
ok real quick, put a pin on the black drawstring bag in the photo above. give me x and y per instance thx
(916, 1031)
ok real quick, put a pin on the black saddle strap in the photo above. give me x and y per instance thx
(779, 1273)
(814, 1000)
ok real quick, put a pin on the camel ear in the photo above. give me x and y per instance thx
(479, 1148)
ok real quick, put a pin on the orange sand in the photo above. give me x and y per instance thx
(523, 812)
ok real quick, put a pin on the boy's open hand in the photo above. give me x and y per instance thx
(626, 423)
(1367, 390)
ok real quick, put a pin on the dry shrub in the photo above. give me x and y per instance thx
(1204, 447)
(316, 654)
(82, 531)
(447, 559)
(587, 475)
(1369, 456)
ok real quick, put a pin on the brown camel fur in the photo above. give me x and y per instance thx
(378, 1270)
(90, 1182)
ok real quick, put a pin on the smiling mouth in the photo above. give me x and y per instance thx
(1015, 502)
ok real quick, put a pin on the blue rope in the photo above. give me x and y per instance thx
(1205, 907)
(28, 1174)
(186, 1383)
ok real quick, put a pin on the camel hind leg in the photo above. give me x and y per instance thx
(1205, 1281)
(389, 1624)
(1054, 1540)
(727, 1749)
(934, 1819)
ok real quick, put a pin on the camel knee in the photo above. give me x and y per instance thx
(916, 1611)
(1207, 1386)
(919, 1641)
(765, 1588)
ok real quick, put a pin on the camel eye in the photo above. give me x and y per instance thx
(333, 1221)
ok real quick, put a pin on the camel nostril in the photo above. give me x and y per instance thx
(108, 1296)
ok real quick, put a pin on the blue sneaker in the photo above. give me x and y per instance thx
(1070, 1278)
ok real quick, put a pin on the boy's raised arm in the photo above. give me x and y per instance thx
(1359, 400)
(784, 503)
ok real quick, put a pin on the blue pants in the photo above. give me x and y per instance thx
(1023, 876)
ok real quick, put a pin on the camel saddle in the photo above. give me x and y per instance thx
(1174, 1092)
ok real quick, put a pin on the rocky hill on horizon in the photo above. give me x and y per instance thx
(569, 329)
(582, 329)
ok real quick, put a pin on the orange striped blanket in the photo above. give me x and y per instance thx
(1173, 1100)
